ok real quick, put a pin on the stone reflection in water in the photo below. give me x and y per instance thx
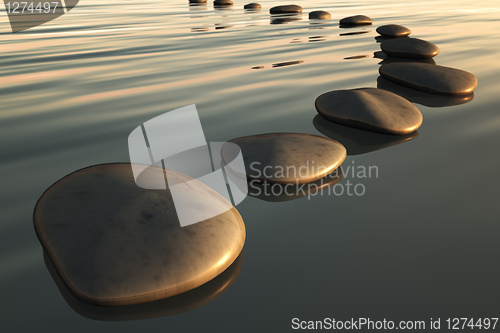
(274, 192)
(197, 6)
(357, 141)
(220, 26)
(200, 29)
(317, 25)
(281, 19)
(389, 60)
(354, 33)
(422, 98)
(288, 63)
(380, 39)
(313, 39)
(185, 302)
(363, 56)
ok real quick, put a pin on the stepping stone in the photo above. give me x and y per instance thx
(357, 141)
(197, 1)
(356, 20)
(223, 3)
(114, 243)
(370, 109)
(320, 15)
(421, 97)
(287, 158)
(252, 5)
(412, 48)
(430, 78)
(393, 30)
(286, 9)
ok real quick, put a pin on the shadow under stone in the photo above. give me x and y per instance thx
(281, 19)
(380, 39)
(357, 141)
(354, 33)
(274, 192)
(177, 304)
(391, 60)
(422, 98)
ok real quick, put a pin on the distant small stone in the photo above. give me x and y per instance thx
(253, 5)
(286, 9)
(430, 78)
(223, 3)
(320, 15)
(197, 1)
(393, 30)
(412, 48)
(370, 109)
(356, 20)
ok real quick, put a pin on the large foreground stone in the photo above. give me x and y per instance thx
(114, 243)
(288, 158)
(370, 109)
(430, 78)
(412, 48)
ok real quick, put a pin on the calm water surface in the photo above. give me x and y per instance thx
(421, 243)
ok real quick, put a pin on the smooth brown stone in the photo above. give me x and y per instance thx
(370, 109)
(320, 15)
(114, 243)
(286, 9)
(307, 157)
(430, 78)
(356, 20)
(253, 5)
(358, 141)
(223, 3)
(412, 48)
(393, 30)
